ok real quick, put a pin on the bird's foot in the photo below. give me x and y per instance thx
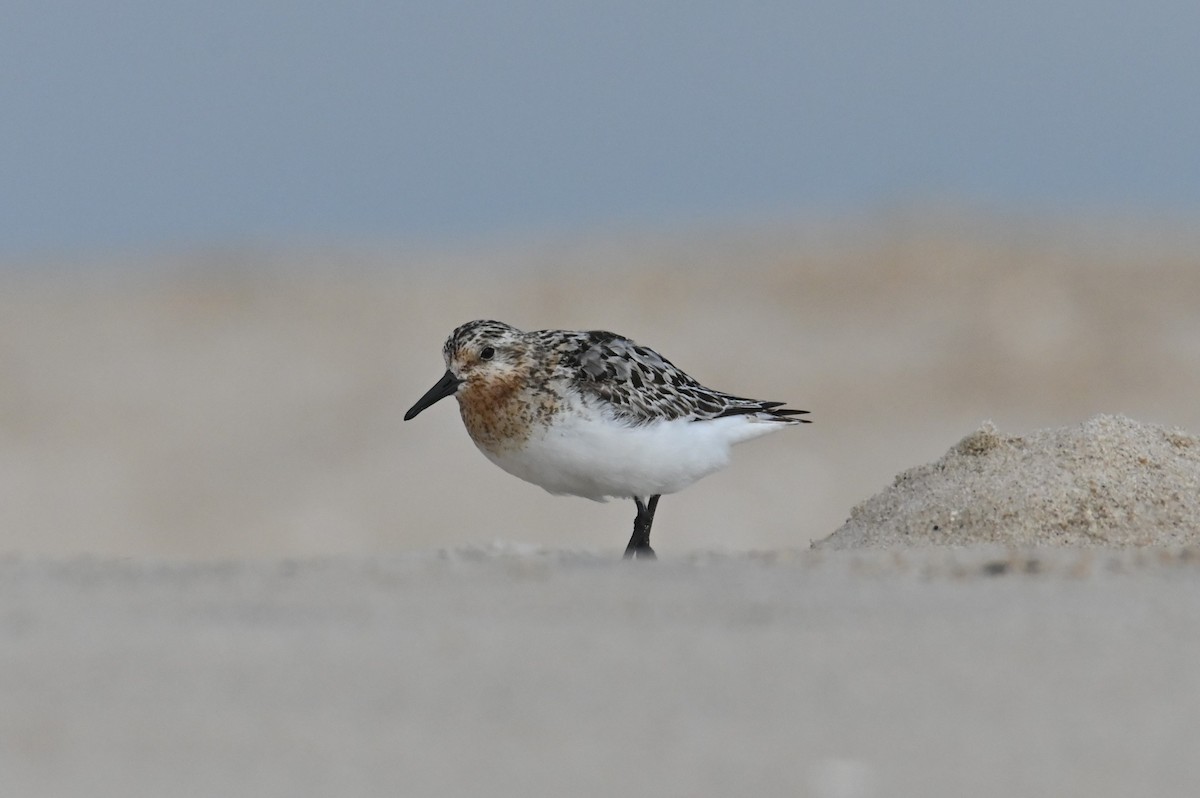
(640, 553)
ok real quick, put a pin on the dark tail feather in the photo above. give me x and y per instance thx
(776, 409)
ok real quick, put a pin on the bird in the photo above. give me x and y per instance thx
(593, 414)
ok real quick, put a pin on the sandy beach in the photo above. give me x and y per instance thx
(510, 671)
(228, 566)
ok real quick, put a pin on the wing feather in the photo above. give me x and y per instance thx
(638, 385)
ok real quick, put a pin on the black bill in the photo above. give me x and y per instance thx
(447, 385)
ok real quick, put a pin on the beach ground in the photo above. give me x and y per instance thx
(510, 671)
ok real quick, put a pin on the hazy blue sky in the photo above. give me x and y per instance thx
(148, 124)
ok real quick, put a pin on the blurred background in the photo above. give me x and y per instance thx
(233, 237)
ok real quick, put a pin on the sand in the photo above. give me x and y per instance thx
(511, 671)
(1111, 481)
(230, 568)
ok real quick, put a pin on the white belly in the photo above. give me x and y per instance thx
(598, 459)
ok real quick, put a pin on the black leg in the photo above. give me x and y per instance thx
(639, 543)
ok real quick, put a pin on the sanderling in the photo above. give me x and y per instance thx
(593, 414)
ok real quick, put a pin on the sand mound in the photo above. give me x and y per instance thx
(1110, 481)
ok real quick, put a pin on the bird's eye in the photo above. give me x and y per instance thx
(487, 353)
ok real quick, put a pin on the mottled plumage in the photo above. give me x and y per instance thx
(593, 414)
